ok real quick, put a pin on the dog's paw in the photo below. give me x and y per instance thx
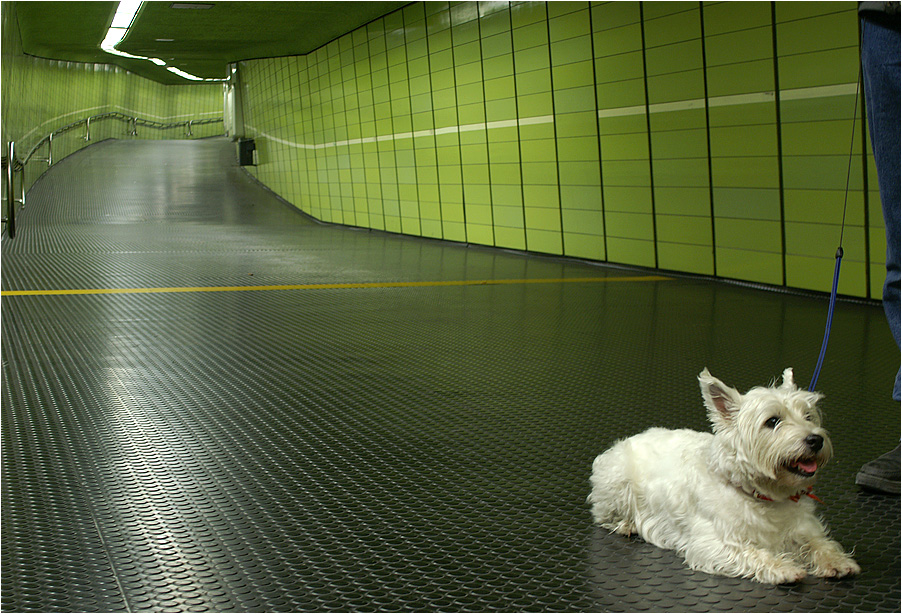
(827, 560)
(781, 574)
(840, 566)
(625, 527)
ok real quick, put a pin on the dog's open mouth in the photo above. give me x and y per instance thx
(803, 466)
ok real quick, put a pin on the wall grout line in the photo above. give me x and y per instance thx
(778, 124)
(557, 160)
(604, 218)
(651, 163)
(701, 15)
(510, 18)
(485, 109)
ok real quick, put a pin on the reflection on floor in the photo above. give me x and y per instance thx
(359, 442)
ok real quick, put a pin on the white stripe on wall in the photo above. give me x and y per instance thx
(56, 120)
(507, 123)
(164, 118)
(807, 93)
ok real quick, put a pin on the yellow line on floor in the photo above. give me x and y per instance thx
(338, 286)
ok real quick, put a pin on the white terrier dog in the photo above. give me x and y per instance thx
(735, 503)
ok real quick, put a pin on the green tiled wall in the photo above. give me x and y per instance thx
(40, 96)
(708, 138)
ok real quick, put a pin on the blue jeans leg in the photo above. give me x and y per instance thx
(880, 69)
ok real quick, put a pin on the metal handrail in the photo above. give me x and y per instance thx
(131, 119)
(12, 164)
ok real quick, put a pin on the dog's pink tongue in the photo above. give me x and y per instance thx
(807, 466)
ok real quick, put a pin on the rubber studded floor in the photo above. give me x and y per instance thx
(409, 426)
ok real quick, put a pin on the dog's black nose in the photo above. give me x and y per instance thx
(815, 442)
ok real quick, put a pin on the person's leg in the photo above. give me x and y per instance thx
(880, 66)
(880, 56)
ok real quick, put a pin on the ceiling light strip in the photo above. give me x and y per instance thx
(122, 21)
(125, 14)
(185, 75)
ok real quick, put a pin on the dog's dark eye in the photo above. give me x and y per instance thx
(772, 422)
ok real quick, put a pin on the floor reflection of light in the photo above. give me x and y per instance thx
(155, 511)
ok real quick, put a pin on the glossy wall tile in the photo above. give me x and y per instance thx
(707, 138)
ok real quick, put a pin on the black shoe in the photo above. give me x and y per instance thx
(881, 474)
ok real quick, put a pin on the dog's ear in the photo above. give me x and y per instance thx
(721, 400)
(788, 382)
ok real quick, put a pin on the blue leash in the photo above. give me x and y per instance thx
(839, 253)
(820, 359)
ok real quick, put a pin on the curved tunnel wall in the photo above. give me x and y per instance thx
(41, 95)
(709, 138)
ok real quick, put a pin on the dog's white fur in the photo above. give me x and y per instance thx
(732, 503)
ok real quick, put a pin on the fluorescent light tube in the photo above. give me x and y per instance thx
(183, 74)
(125, 14)
(114, 36)
(122, 21)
